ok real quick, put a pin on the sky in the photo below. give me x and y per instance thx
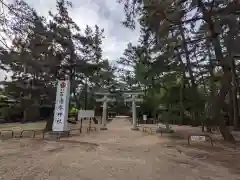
(107, 14)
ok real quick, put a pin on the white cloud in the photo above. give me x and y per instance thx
(107, 14)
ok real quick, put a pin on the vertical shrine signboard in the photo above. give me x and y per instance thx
(61, 106)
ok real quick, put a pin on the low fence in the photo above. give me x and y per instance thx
(33, 133)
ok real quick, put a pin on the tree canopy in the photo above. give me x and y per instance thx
(189, 50)
(186, 59)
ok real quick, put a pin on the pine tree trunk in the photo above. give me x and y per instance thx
(231, 107)
(227, 74)
(181, 101)
(25, 115)
(190, 71)
(177, 53)
(235, 88)
(225, 86)
(203, 127)
(235, 109)
(49, 124)
(234, 95)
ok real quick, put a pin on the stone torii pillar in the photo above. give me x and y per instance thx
(105, 101)
(134, 99)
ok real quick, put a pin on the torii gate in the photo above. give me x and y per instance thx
(105, 100)
(134, 99)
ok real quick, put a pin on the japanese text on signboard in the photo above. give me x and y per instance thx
(60, 103)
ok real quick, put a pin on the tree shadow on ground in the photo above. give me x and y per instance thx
(221, 153)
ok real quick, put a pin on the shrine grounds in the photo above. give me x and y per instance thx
(117, 153)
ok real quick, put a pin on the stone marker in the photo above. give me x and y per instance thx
(60, 124)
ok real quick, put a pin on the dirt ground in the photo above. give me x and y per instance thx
(117, 154)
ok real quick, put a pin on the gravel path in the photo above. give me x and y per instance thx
(115, 154)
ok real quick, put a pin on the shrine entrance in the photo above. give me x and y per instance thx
(124, 111)
(128, 96)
